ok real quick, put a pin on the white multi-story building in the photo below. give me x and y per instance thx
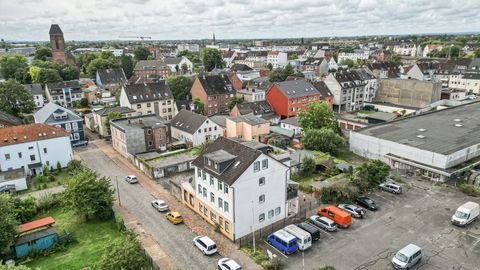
(34, 146)
(188, 47)
(237, 187)
(348, 89)
(194, 128)
(405, 49)
(277, 59)
(355, 56)
(468, 81)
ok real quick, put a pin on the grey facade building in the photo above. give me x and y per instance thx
(55, 115)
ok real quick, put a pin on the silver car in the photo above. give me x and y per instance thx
(323, 223)
(391, 187)
(160, 205)
(355, 211)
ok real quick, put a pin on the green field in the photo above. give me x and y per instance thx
(92, 237)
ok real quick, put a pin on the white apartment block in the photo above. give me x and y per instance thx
(277, 59)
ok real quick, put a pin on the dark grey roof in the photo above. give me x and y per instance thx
(139, 122)
(55, 29)
(383, 116)
(249, 119)
(34, 236)
(243, 155)
(109, 76)
(291, 121)
(147, 92)
(472, 75)
(255, 108)
(36, 88)
(297, 88)
(220, 120)
(475, 64)
(218, 84)
(188, 121)
(151, 65)
(12, 119)
(172, 60)
(438, 128)
(65, 84)
(363, 74)
(323, 89)
(45, 114)
(240, 67)
(107, 110)
(184, 104)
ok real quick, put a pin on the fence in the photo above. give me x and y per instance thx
(304, 212)
(151, 265)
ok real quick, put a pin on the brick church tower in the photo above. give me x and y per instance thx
(59, 54)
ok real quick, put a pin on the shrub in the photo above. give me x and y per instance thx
(44, 186)
(51, 178)
(41, 179)
(59, 166)
(274, 264)
(338, 194)
(120, 223)
(74, 165)
(46, 170)
(26, 209)
(470, 190)
(47, 202)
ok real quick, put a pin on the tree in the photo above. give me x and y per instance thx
(111, 116)
(15, 99)
(13, 66)
(192, 56)
(308, 166)
(184, 68)
(68, 73)
(127, 65)
(324, 139)
(89, 196)
(318, 115)
(477, 53)
(277, 75)
(86, 59)
(350, 63)
(46, 75)
(26, 209)
(8, 222)
(141, 53)
(100, 63)
(371, 174)
(270, 66)
(43, 53)
(234, 101)
(180, 86)
(125, 254)
(82, 103)
(199, 106)
(212, 58)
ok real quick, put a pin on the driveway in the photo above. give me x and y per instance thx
(175, 241)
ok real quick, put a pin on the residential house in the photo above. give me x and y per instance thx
(100, 118)
(382, 55)
(371, 85)
(215, 91)
(64, 93)
(326, 95)
(152, 69)
(429, 48)
(194, 128)
(8, 120)
(33, 146)
(247, 127)
(178, 64)
(261, 109)
(291, 97)
(384, 70)
(405, 49)
(348, 90)
(36, 90)
(58, 116)
(235, 185)
(320, 65)
(139, 134)
(355, 56)
(111, 79)
(188, 47)
(468, 81)
(149, 98)
(277, 59)
(255, 90)
(292, 124)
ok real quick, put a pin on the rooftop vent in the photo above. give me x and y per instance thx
(236, 164)
(420, 136)
(458, 125)
(44, 134)
(39, 134)
(54, 132)
(24, 137)
(5, 140)
(457, 120)
(422, 130)
(15, 138)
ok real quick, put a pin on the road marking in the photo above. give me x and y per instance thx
(277, 251)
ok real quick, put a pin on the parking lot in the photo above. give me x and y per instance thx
(421, 215)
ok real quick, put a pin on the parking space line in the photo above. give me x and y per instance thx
(276, 250)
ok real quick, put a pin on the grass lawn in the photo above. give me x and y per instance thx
(92, 239)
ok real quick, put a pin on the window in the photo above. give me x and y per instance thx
(227, 226)
(19, 154)
(32, 157)
(261, 218)
(225, 189)
(277, 211)
(265, 164)
(76, 136)
(214, 128)
(204, 176)
(256, 166)
(204, 193)
(212, 181)
(270, 213)
(261, 181)
(199, 131)
(68, 126)
(199, 173)
(149, 131)
(75, 126)
(150, 143)
(45, 150)
(220, 203)
(213, 217)
(149, 104)
(212, 197)
(261, 198)
(225, 207)
(220, 185)
(139, 106)
(7, 156)
(220, 222)
(199, 189)
(200, 207)
(30, 148)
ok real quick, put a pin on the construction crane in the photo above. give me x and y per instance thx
(140, 37)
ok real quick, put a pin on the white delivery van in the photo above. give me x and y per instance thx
(304, 239)
(466, 214)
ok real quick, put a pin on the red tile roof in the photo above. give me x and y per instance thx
(26, 227)
(29, 133)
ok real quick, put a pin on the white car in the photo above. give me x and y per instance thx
(160, 205)
(228, 264)
(205, 244)
(354, 210)
(323, 223)
(131, 179)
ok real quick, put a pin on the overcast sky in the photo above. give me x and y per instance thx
(197, 19)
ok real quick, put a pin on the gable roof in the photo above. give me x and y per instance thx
(241, 155)
(64, 84)
(291, 121)
(105, 111)
(45, 114)
(29, 133)
(55, 29)
(240, 67)
(256, 108)
(172, 60)
(151, 65)
(296, 88)
(36, 88)
(188, 121)
(249, 119)
(137, 93)
(323, 89)
(12, 119)
(220, 120)
(217, 84)
(109, 76)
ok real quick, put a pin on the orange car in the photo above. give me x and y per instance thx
(342, 218)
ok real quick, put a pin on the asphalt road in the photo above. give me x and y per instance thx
(175, 240)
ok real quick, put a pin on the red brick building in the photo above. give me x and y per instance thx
(152, 69)
(215, 92)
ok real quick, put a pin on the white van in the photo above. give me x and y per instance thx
(407, 257)
(466, 214)
(304, 239)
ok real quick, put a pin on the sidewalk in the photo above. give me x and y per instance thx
(199, 226)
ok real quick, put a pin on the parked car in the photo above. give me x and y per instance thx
(228, 264)
(355, 211)
(342, 218)
(314, 231)
(407, 257)
(367, 203)
(160, 205)
(391, 187)
(466, 214)
(79, 143)
(174, 217)
(205, 244)
(131, 179)
(324, 223)
(283, 241)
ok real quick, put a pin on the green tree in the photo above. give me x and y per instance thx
(89, 196)
(308, 166)
(127, 65)
(15, 99)
(318, 115)
(199, 106)
(47, 75)
(270, 66)
(477, 53)
(194, 57)
(212, 58)
(125, 254)
(111, 116)
(141, 53)
(350, 63)
(68, 73)
(13, 66)
(8, 222)
(180, 86)
(277, 75)
(370, 175)
(82, 103)
(85, 60)
(26, 209)
(234, 101)
(288, 70)
(43, 53)
(101, 63)
(324, 139)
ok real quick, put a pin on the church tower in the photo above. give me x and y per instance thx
(59, 54)
(213, 40)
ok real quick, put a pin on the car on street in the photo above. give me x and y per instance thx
(391, 187)
(205, 244)
(324, 223)
(407, 257)
(355, 211)
(160, 205)
(131, 179)
(174, 217)
(228, 264)
(367, 203)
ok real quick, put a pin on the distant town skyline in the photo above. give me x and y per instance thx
(29, 20)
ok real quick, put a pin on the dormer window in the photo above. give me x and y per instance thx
(216, 166)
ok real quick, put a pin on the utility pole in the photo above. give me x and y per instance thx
(118, 191)
(253, 227)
